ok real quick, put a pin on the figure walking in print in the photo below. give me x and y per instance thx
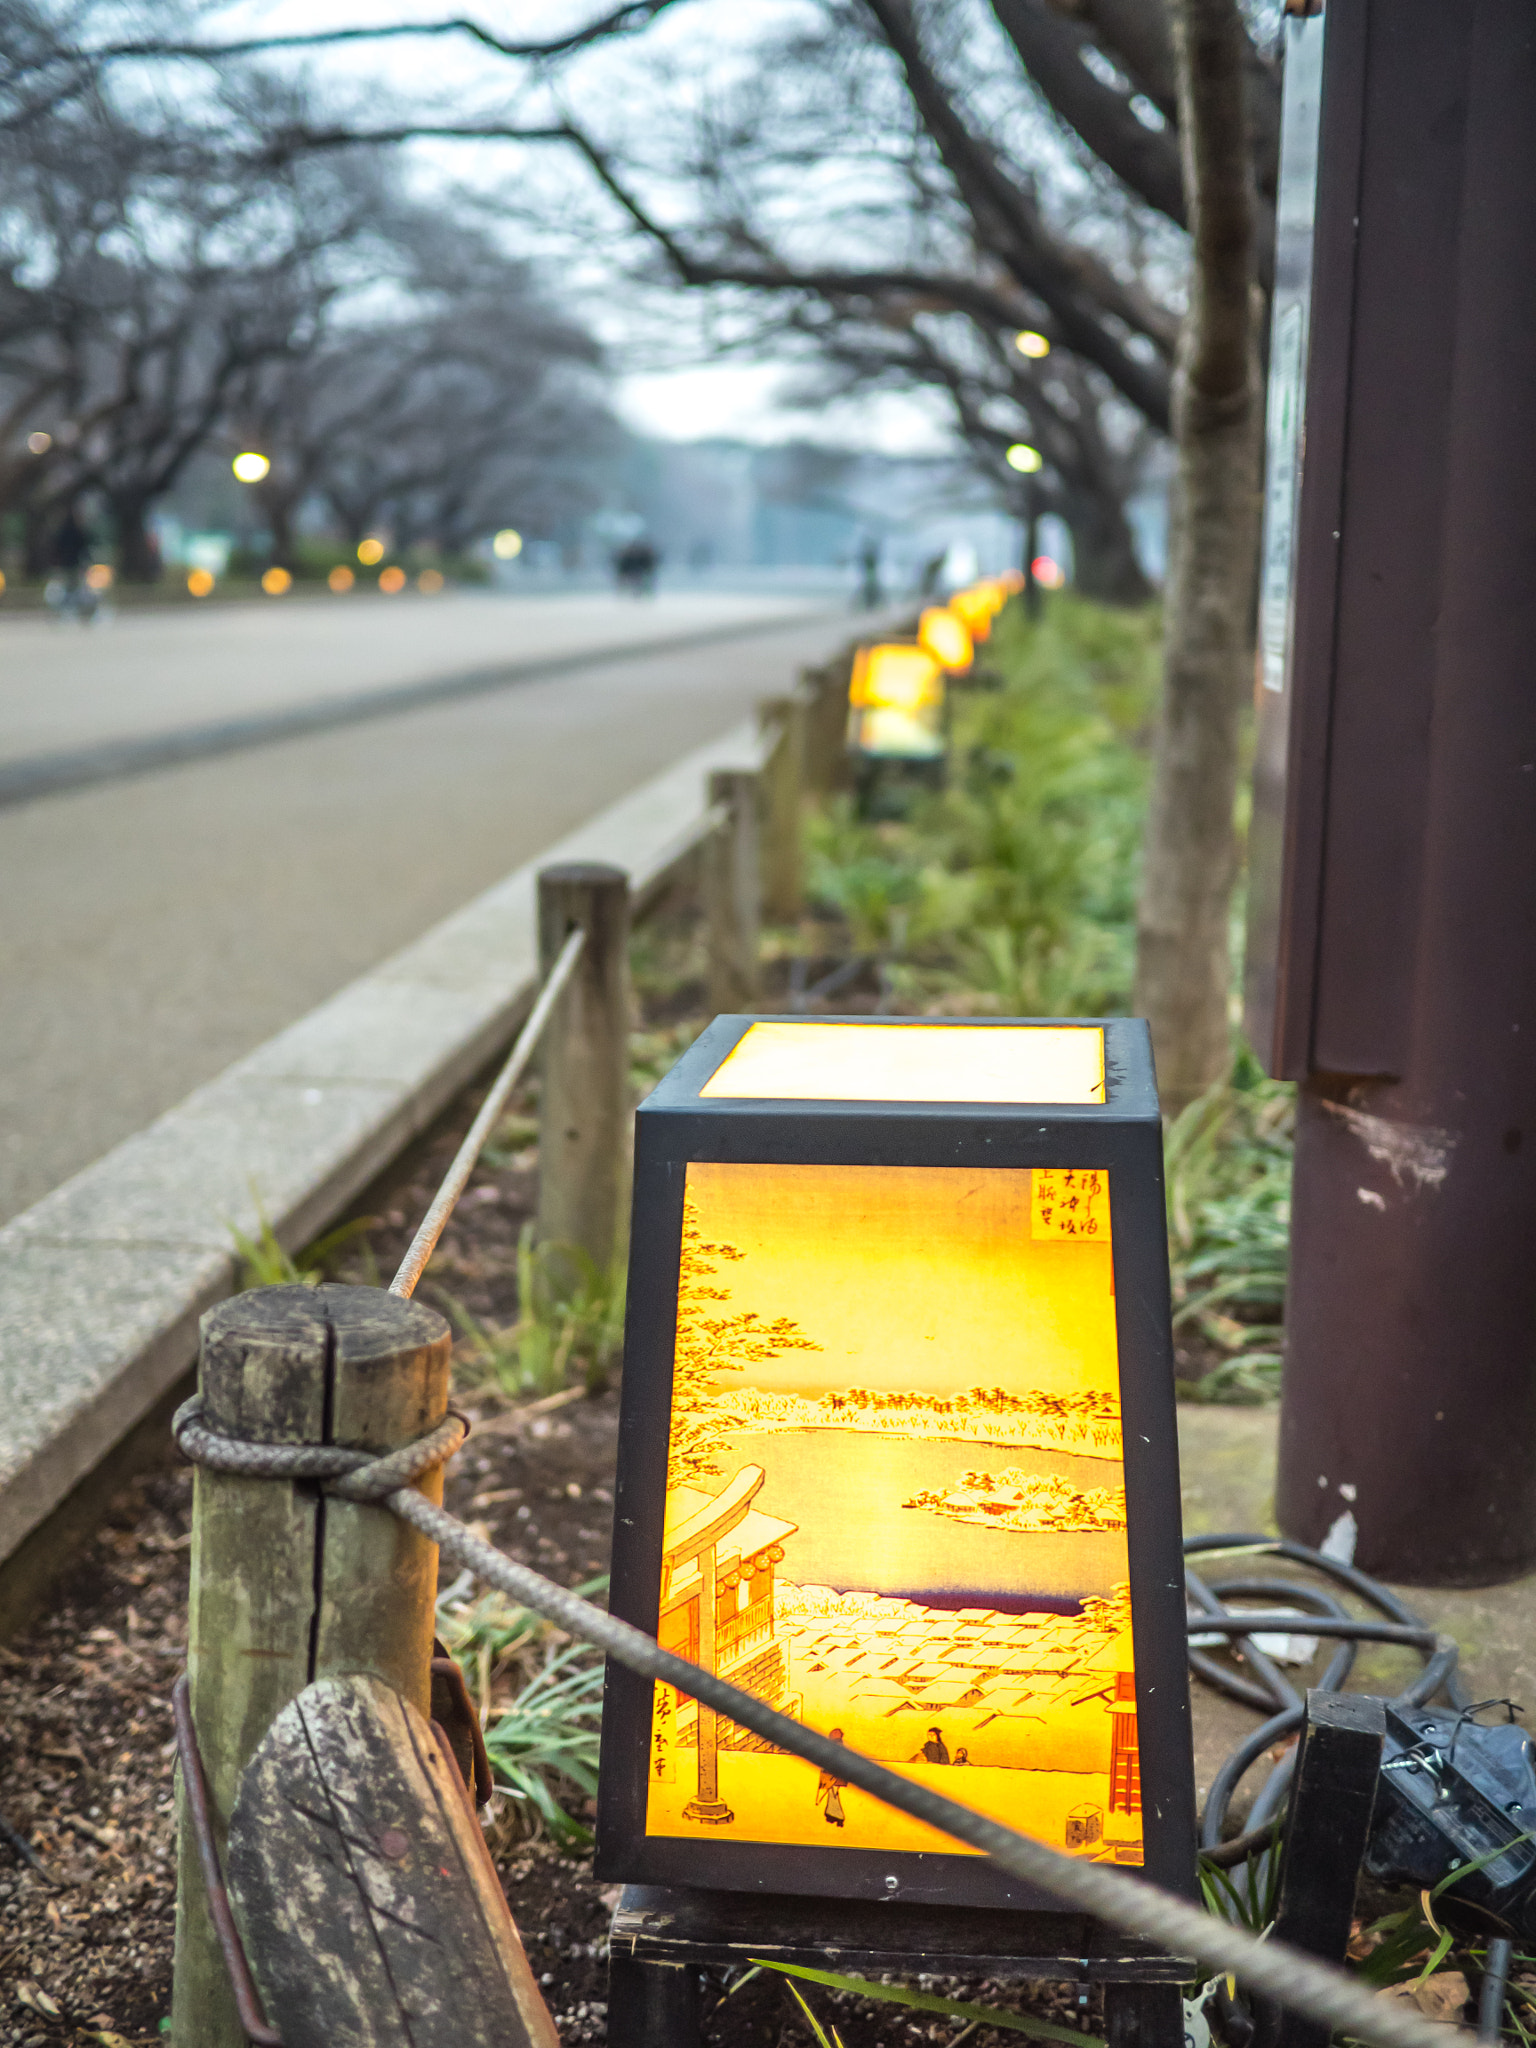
(829, 1787)
(934, 1750)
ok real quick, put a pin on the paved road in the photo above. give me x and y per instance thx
(154, 928)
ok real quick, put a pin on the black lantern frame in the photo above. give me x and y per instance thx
(677, 1126)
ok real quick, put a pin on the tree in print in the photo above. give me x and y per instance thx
(710, 1342)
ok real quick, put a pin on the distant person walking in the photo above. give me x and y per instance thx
(635, 567)
(871, 595)
(829, 1788)
(72, 550)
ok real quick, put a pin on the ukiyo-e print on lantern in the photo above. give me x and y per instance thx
(896, 1504)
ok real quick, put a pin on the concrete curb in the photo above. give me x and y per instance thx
(102, 1283)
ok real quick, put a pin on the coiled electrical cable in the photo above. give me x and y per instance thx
(1263, 1686)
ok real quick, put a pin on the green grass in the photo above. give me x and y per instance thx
(264, 1262)
(570, 1321)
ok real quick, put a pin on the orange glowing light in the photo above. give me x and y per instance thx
(837, 1062)
(431, 581)
(1048, 574)
(895, 678)
(974, 608)
(852, 1517)
(370, 551)
(99, 576)
(391, 580)
(341, 578)
(943, 633)
(200, 582)
(2, 582)
(277, 582)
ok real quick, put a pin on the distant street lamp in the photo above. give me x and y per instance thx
(277, 582)
(39, 443)
(341, 578)
(370, 551)
(200, 582)
(507, 545)
(250, 467)
(1024, 459)
(392, 580)
(1031, 344)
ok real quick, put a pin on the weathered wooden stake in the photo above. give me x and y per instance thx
(584, 1109)
(1333, 1795)
(783, 721)
(732, 884)
(826, 694)
(287, 1586)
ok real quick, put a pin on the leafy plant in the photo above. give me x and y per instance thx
(926, 2001)
(570, 1315)
(1228, 1164)
(1249, 1902)
(549, 1736)
(544, 1742)
(264, 1262)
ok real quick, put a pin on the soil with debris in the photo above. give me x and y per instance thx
(87, 1849)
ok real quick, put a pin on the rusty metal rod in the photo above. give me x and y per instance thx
(195, 1786)
(433, 1224)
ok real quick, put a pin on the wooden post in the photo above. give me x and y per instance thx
(288, 1586)
(783, 721)
(584, 1109)
(733, 891)
(826, 693)
(652, 2005)
(1333, 1796)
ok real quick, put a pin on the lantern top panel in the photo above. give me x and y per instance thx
(858, 1060)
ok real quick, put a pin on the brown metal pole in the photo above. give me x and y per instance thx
(1405, 995)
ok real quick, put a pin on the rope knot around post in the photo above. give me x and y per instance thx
(346, 1474)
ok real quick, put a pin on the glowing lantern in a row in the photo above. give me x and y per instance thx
(978, 606)
(947, 638)
(898, 1456)
(896, 703)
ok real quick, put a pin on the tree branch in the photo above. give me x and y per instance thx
(623, 20)
(1051, 50)
(1011, 227)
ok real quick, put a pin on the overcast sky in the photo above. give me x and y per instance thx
(689, 399)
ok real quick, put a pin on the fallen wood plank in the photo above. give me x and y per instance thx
(371, 1914)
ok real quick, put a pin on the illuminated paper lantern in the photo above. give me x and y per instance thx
(943, 634)
(896, 703)
(974, 606)
(897, 1454)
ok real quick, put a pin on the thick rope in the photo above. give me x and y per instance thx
(1287, 1975)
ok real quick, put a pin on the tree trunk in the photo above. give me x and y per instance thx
(1183, 966)
(138, 556)
(277, 509)
(1104, 563)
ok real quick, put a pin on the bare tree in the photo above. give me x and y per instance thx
(1167, 108)
(472, 403)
